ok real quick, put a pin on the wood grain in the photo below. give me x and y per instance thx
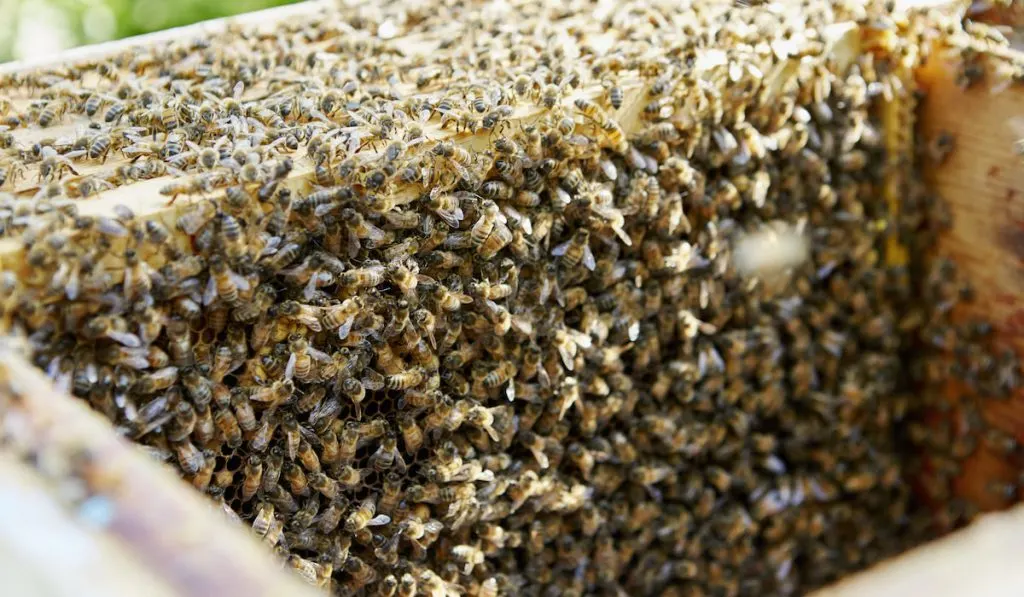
(162, 521)
(982, 181)
(46, 551)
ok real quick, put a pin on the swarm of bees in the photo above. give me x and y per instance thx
(434, 322)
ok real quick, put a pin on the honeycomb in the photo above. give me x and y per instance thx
(512, 298)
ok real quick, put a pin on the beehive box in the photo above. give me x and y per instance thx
(613, 299)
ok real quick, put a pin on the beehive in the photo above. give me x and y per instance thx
(616, 298)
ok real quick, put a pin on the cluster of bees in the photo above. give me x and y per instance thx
(463, 315)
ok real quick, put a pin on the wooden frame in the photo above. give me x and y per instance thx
(172, 556)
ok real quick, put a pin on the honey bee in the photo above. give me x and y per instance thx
(296, 478)
(264, 521)
(365, 277)
(576, 250)
(363, 516)
(273, 465)
(387, 455)
(406, 379)
(274, 394)
(446, 206)
(190, 458)
(227, 425)
(536, 445)
(360, 573)
(355, 391)
(252, 477)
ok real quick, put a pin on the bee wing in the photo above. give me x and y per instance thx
(128, 282)
(236, 92)
(374, 233)
(125, 339)
(345, 328)
(310, 288)
(289, 370)
(510, 393)
(311, 322)
(353, 244)
(319, 355)
(240, 282)
(373, 380)
(452, 218)
(379, 520)
(588, 259)
(522, 325)
(561, 249)
(567, 351)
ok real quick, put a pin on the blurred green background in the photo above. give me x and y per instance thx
(36, 28)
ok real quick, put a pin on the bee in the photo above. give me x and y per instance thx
(478, 99)
(490, 215)
(227, 425)
(392, 494)
(355, 391)
(387, 455)
(406, 379)
(363, 516)
(99, 147)
(190, 459)
(273, 465)
(348, 442)
(536, 445)
(204, 429)
(264, 521)
(51, 112)
(368, 276)
(412, 433)
(497, 190)
(11, 171)
(360, 573)
(501, 374)
(405, 276)
(252, 477)
(156, 381)
(576, 250)
(296, 478)
(550, 96)
(446, 206)
(53, 164)
(613, 93)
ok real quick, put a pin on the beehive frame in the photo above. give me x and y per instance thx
(148, 203)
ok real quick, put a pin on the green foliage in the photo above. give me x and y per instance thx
(143, 16)
(92, 21)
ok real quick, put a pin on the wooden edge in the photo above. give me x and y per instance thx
(158, 518)
(146, 202)
(44, 550)
(982, 183)
(983, 560)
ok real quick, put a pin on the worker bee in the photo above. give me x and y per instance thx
(406, 379)
(363, 516)
(446, 206)
(576, 250)
(252, 477)
(387, 455)
(228, 427)
(490, 216)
